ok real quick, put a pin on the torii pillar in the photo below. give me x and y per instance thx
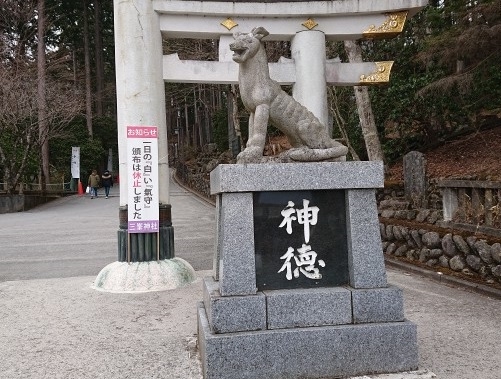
(308, 53)
(141, 102)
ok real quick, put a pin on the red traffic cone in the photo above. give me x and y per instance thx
(80, 189)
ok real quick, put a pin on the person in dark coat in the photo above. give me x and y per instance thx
(107, 182)
(93, 183)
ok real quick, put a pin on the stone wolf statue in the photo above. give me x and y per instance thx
(267, 102)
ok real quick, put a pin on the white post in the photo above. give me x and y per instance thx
(308, 52)
(109, 166)
(449, 203)
(140, 85)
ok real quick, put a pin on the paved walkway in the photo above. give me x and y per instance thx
(53, 325)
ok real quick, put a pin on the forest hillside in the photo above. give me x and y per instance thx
(474, 156)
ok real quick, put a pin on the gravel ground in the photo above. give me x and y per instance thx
(53, 325)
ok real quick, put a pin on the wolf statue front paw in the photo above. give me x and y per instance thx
(250, 155)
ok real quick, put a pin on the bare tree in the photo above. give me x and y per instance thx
(43, 126)
(367, 122)
(98, 44)
(234, 115)
(88, 88)
(20, 138)
(339, 120)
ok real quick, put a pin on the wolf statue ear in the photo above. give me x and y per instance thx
(259, 32)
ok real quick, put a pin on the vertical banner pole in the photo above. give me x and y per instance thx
(158, 246)
(128, 247)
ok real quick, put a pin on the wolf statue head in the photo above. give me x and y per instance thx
(246, 45)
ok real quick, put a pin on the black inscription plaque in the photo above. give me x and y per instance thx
(300, 239)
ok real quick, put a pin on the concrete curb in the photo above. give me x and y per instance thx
(421, 374)
(445, 279)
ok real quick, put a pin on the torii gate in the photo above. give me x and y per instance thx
(141, 69)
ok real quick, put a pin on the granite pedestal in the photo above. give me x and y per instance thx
(299, 286)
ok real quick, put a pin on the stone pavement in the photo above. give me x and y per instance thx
(53, 325)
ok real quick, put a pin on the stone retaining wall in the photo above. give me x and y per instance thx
(197, 181)
(419, 235)
(470, 255)
(195, 173)
(396, 191)
(20, 203)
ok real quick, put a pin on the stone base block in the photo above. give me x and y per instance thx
(377, 305)
(228, 314)
(308, 353)
(308, 307)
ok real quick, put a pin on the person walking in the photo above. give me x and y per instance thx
(93, 183)
(107, 182)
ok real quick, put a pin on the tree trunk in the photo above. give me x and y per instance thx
(88, 93)
(186, 122)
(339, 120)
(200, 126)
(234, 115)
(195, 125)
(75, 78)
(99, 58)
(233, 144)
(43, 126)
(367, 122)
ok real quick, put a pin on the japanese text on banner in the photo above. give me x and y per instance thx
(142, 172)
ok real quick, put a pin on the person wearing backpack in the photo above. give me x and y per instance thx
(93, 183)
